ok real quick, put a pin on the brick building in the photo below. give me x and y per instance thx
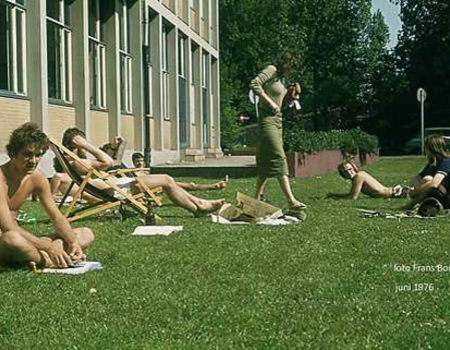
(147, 70)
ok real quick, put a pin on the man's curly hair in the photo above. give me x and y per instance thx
(25, 135)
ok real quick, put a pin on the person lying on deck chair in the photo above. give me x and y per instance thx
(433, 181)
(18, 180)
(138, 162)
(365, 183)
(75, 141)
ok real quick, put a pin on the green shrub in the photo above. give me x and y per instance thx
(347, 141)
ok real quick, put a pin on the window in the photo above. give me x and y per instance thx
(165, 72)
(192, 4)
(12, 47)
(205, 97)
(148, 83)
(193, 70)
(182, 56)
(59, 50)
(125, 58)
(97, 52)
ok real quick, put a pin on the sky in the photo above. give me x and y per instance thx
(391, 17)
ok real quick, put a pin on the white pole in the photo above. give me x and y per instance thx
(422, 119)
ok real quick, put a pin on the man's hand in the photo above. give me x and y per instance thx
(76, 253)
(79, 142)
(57, 255)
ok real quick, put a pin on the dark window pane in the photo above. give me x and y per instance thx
(92, 74)
(67, 65)
(4, 47)
(67, 13)
(20, 59)
(21, 2)
(122, 83)
(92, 17)
(121, 28)
(54, 61)
(53, 9)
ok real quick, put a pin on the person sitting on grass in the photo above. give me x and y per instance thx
(365, 183)
(74, 140)
(138, 163)
(18, 180)
(433, 181)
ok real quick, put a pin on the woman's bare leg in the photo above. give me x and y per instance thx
(260, 186)
(286, 188)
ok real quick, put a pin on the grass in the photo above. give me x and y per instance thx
(328, 283)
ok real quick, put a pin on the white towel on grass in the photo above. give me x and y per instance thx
(156, 230)
(78, 269)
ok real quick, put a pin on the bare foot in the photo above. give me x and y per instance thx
(220, 185)
(205, 207)
(297, 206)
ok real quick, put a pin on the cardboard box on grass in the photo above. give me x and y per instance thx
(248, 209)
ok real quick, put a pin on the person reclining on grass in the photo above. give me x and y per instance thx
(18, 180)
(138, 162)
(433, 181)
(74, 140)
(365, 183)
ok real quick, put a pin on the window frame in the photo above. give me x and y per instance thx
(64, 33)
(97, 99)
(126, 93)
(14, 43)
(165, 72)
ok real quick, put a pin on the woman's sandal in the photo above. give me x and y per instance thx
(298, 206)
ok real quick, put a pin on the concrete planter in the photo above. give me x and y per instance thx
(322, 163)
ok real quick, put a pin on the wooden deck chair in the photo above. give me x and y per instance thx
(111, 197)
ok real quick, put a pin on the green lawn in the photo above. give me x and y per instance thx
(328, 283)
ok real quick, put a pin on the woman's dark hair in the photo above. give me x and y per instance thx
(437, 149)
(69, 135)
(25, 135)
(285, 62)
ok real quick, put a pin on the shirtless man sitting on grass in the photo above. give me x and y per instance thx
(18, 180)
(74, 139)
(365, 183)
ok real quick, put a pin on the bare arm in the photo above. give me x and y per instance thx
(257, 86)
(121, 145)
(357, 184)
(102, 161)
(423, 188)
(7, 223)
(62, 226)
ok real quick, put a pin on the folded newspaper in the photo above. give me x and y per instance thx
(156, 230)
(250, 210)
(77, 269)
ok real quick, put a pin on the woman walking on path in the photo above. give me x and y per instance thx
(270, 157)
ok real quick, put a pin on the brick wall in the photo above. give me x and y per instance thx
(60, 118)
(13, 113)
(98, 127)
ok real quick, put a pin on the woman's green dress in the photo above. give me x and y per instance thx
(270, 156)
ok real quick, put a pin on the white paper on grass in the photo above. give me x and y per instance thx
(270, 221)
(78, 269)
(156, 230)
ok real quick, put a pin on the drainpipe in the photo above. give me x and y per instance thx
(146, 62)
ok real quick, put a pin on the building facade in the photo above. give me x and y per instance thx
(147, 70)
